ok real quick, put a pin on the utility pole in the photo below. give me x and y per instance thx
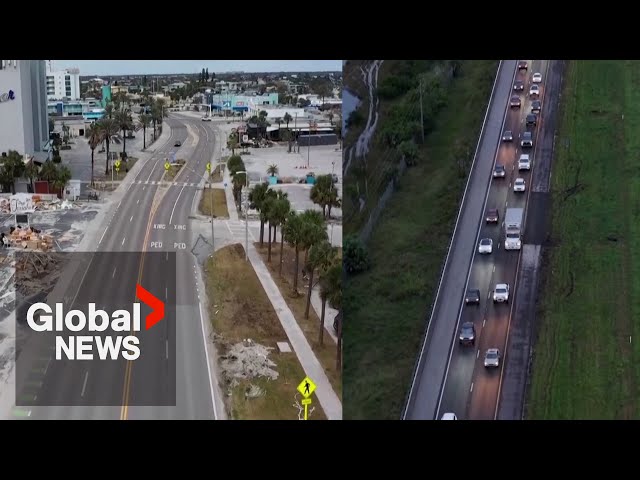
(295, 126)
(213, 238)
(421, 113)
(309, 145)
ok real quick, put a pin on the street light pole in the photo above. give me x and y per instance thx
(213, 238)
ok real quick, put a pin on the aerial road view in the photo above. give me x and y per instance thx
(171, 240)
(501, 214)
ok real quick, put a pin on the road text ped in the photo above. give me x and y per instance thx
(78, 347)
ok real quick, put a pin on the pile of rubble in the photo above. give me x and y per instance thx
(248, 360)
(27, 238)
(36, 272)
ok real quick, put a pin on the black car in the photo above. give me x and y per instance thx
(515, 101)
(178, 143)
(492, 215)
(527, 140)
(532, 120)
(507, 136)
(499, 171)
(473, 296)
(536, 106)
(522, 65)
(518, 85)
(467, 334)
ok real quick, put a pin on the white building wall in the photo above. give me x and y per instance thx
(23, 121)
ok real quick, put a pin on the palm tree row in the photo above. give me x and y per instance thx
(305, 233)
(118, 119)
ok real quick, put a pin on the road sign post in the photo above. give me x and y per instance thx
(306, 389)
(213, 238)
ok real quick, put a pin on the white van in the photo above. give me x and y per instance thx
(449, 416)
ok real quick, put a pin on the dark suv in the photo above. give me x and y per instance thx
(492, 215)
(472, 296)
(467, 334)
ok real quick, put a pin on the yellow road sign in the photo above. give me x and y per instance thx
(117, 164)
(167, 165)
(306, 401)
(209, 167)
(306, 387)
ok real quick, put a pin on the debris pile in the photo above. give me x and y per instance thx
(36, 272)
(27, 238)
(248, 360)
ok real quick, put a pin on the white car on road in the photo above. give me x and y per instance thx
(534, 90)
(519, 185)
(492, 358)
(501, 293)
(524, 163)
(449, 416)
(485, 246)
(536, 77)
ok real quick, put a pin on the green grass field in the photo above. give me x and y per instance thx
(585, 365)
(387, 306)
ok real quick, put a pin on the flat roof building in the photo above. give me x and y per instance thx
(23, 107)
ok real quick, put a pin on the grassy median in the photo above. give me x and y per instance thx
(240, 309)
(219, 203)
(586, 355)
(388, 305)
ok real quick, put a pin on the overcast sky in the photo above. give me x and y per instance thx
(132, 67)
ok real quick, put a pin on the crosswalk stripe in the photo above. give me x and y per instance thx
(19, 412)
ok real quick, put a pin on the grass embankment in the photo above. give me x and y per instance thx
(220, 209)
(244, 311)
(388, 304)
(585, 366)
(326, 353)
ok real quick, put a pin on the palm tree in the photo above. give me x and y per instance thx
(278, 216)
(287, 118)
(125, 122)
(239, 181)
(12, 167)
(272, 170)
(48, 172)
(267, 212)
(144, 121)
(294, 234)
(315, 231)
(321, 258)
(62, 178)
(95, 137)
(108, 110)
(330, 290)
(109, 127)
(232, 144)
(257, 197)
(31, 172)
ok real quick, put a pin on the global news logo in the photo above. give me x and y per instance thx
(42, 318)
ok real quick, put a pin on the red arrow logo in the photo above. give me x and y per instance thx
(157, 306)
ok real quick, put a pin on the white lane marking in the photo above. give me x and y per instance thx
(123, 240)
(84, 385)
(114, 272)
(484, 322)
(47, 367)
(166, 344)
(103, 233)
(166, 293)
(138, 201)
(131, 218)
(175, 204)
(494, 268)
(119, 203)
(167, 257)
(471, 389)
(206, 352)
(478, 354)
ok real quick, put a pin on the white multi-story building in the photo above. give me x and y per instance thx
(62, 84)
(23, 107)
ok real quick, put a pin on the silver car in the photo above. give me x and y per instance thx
(492, 358)
(486, 246)
(519, 185)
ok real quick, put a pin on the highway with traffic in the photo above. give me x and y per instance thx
(453, 376)
(147, 241)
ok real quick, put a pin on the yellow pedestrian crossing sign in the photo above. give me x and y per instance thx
(167, 165)
(306, 387)
(208, 166)
(117, 165)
